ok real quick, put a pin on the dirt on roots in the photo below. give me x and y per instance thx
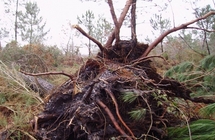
(113, 96)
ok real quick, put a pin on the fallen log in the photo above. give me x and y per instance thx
(37, 84)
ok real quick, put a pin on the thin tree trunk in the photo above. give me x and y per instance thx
(16, 16)
(89, 48)
(0, 46)
(213, 2)
(133, 21)
(162, 47)
(206, 42)
(31, 33)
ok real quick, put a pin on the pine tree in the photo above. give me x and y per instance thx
(98, 29)
(207, 24)
(87, 20)
(30, 25)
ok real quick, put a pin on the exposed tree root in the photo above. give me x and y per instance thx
(114, 99)
(117, 111)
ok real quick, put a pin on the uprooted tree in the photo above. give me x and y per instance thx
(117, 94)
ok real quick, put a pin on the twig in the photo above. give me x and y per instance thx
(141, 59)
(101, 104)
(26, 133)
(89, 37)
(117, 111)
(71, 120)
(188, 126)
(190, 46)
(14, 112)
(182, 26)
(149, 136)
(206, 30)
(35, 123)
(201, 76)
(11, 75)
(150, 111)
(49, 73)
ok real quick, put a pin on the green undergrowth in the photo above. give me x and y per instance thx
(202, 129)
(200, 79)
(18, 105)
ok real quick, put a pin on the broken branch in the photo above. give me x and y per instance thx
(89, 37)
(49, 73)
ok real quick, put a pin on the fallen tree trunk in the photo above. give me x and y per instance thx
(37, 84)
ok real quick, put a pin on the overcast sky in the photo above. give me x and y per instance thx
(59, 13)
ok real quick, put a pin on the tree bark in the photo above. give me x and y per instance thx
(133, 21)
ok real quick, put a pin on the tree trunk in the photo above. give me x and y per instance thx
(16, 22)
(162, 47)
(133, 21)
(206, 42)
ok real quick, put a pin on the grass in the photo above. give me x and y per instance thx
(59, 79)
(18, 105)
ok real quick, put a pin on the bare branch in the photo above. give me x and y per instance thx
(190, 46)
(49, 73)
(120, 21)
(142, 59)
(182, 26)
(196, 28)
(89, 37)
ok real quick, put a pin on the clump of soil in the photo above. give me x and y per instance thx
(98, 102)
